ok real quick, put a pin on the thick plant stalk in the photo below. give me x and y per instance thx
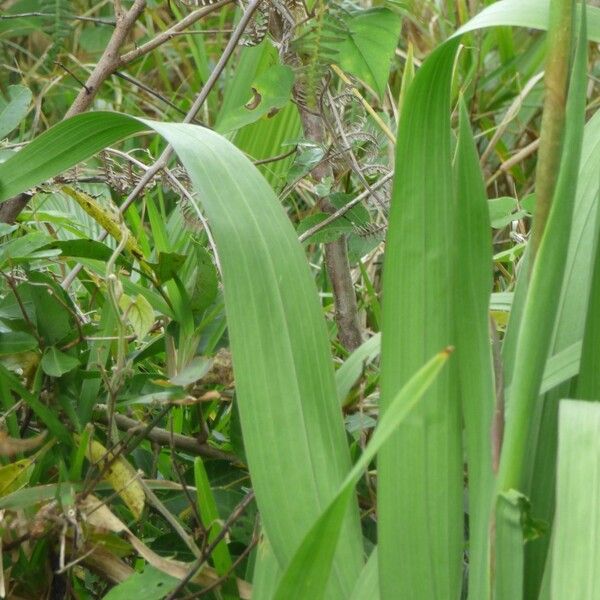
(542, 299)
(336, 253)
(556, 79)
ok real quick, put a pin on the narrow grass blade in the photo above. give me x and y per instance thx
(473, 285)
(576, 538)
(420, 470)
(309, 570)
(209, 514)
(588, 383)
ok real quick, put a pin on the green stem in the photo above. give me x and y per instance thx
(553, 119)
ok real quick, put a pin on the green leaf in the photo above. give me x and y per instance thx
(420, 470)
(347, 375)
(206, 281)
(52, 307)
(501, 210)
(367, 586)
(473, 285)
(14, 342)
(269, 92)
(150, 584)
(329, 233)
(574, 565)
(56, 363)
(211, 519)
(139, 313)
(309, 569)
(510, 544)
(169, 264)
(293, 430)
(524, 13)
(13, 111)
(44, 413)
(368, 48)
(542, 303)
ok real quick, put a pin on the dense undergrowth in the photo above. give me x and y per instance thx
(198, 202)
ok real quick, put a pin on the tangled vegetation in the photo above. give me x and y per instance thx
(299, 299)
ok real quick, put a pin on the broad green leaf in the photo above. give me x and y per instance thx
(52, 307)
(501, 211)
(328, 234)
(368, 47)
(14, 342)
(56, 363)
(168, 265)
(524, 13)
(150, 584)
(575, 564)
(13, 110)
(269, 92)
(139, 313)
(472, 285)
(293, 430)
(420, 470)
(270, 138)
(24, 248)
(85, 248)
(309, 570)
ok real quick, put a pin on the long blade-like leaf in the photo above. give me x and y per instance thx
(293, 430)
(576, 538)
(420, 470)
(309, 569)
(473, 286)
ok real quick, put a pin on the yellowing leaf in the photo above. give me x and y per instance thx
(139, 313)
(98, 515)
(119, 474)
(15, 476)
(104, 217)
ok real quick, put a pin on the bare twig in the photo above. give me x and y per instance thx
(28, 15)
(163, 160)
(342, 211)
(163, 437)
(173, 522)
(109, 61)
(198, 563)
(170, 33)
